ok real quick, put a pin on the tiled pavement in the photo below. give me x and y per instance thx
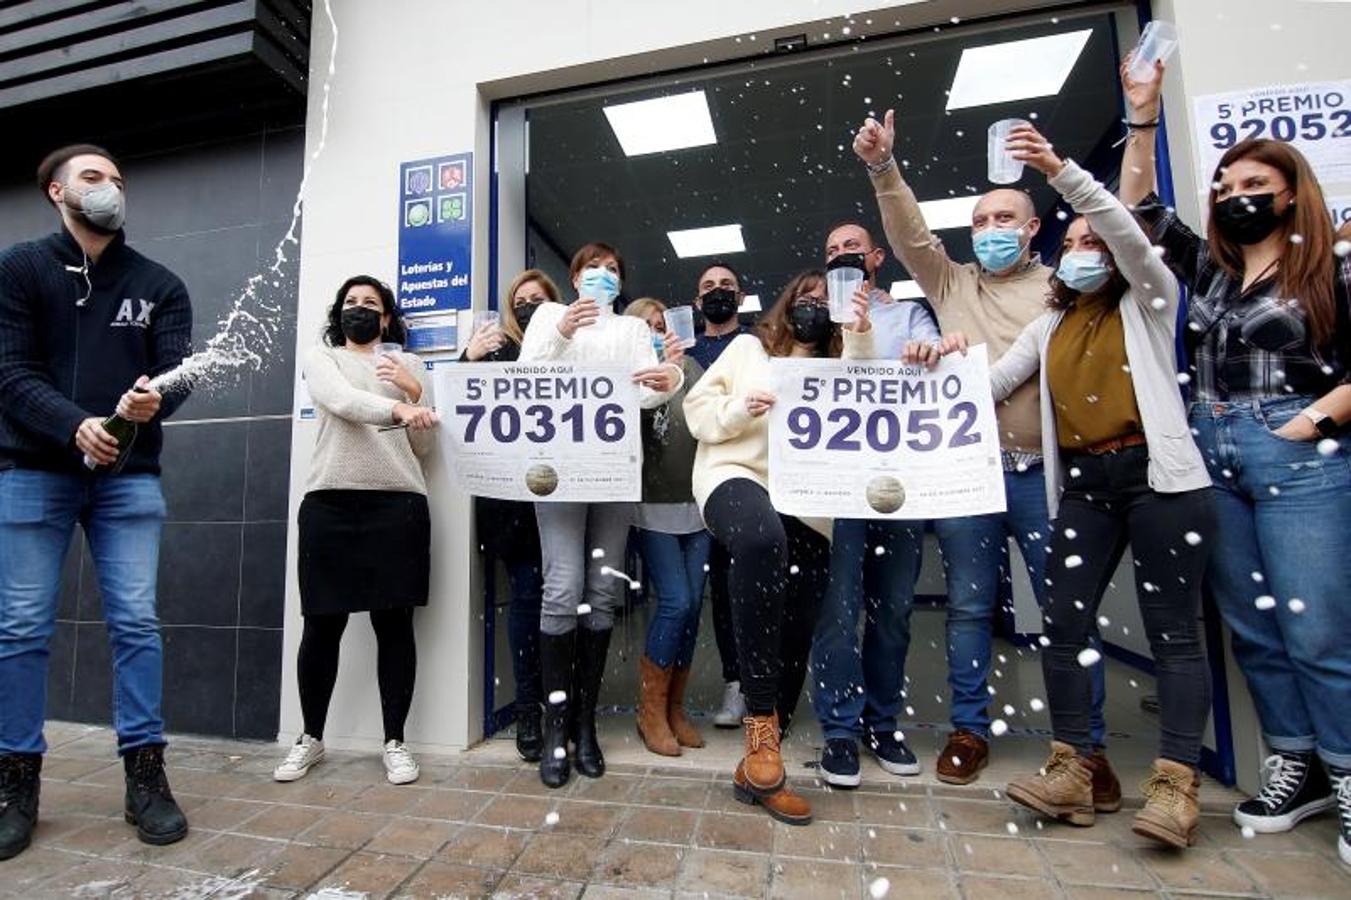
(480, 825)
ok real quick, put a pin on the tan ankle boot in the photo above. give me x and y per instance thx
(762, 764)
(1106, 788)
(681, 726)
(783, 804)
(652, 726)
(1172, 806)
(1063, 788)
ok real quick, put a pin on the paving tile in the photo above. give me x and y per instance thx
(479, 778)
(74, 769)
(675, 792)
(721, 872)
(527, 783)
(791, 879)
(333, 795)
(343, 830)
(833, 806)
(751, 834)
(983, 817)
(987, 887)
(388, 799)
(38, 863)
(284, 822)
(296, 866)
(996, 856)
(451, 805)
(615, 892)
(902, 846)
(670, 826)
(820, 840)
(930, 884)
(1196, 870)
(100, 837)
(182, 855)
(563, 856)
(374, 875)
(1291, 875)
(521, 887)
(418, 838)
(88, 878)
(596, 819)
(438, 879)
(157, 883)
(225, 815)
(610, 789)
(1091, 892)
(909, 810)
(230, 854)
(507, 811)
(1221, 832)
(636, 864)
(474, 845)
(1102, 864)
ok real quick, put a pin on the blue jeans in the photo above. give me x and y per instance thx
(885, 585)
(121, 516)
(676, 564)
(1284, 513)
(527, 593)
(976, 562)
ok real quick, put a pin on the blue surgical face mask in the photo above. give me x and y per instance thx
(1084, 272)
(598, 283)
(998, 248)
(659, 344)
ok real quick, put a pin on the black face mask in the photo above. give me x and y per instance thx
(810, 324)
(1247, 219)
(849, 260)
(523, 314)
(719, 305)
(360, 324)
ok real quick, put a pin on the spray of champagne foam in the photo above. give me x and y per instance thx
(246, 335)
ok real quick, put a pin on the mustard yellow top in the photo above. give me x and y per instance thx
(1089, 379)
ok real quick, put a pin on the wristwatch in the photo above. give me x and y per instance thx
(1326, 425)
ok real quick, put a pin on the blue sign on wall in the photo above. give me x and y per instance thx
(436, 201)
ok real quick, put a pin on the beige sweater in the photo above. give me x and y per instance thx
(990, 309)
(350, 452)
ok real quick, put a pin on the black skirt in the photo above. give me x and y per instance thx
(363, 550)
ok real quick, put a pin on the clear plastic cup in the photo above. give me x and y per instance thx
(841, 285)
(1158, 42)
(484, 317)
(1001, 167)
(680, 321)
(387, 349)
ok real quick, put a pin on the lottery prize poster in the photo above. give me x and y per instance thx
(436, 234)
(1316, 118)
(874, 439)
(541, 431)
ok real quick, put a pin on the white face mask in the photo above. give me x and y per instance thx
(103, 207)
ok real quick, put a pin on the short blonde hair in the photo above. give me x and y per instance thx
(644, 307)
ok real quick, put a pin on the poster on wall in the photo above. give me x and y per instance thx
(1340, 207)
(541, 432)
(1316, 118)
(884, 440)
(431, 333)
(436, 202)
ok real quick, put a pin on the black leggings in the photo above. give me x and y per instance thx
(724, 632)
(396, 667)
(1108, 504)
(778, 571)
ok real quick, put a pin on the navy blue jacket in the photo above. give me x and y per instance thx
(61, 363)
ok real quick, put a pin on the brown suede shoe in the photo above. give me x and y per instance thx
(964, 755)
(783, 804)
(1062, 789)
(651, 720)
(1172, 806)
(681, 726)
(1106, 789)
(763, 766)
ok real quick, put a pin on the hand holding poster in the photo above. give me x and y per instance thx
(874, 439)
(541, 431)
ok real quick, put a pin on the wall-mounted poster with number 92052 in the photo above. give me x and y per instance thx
(873, 439)
(541, 431)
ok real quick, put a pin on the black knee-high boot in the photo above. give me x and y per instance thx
(556, 654)
(592, 649)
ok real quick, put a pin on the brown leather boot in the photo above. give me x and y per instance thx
(1172, 807)
(762, 764)
(681, 726)
(1106, 788)
(964, 755)
(1062, 789)
(652, 728)
(783, 804)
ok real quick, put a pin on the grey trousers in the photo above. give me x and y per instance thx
(574, 573)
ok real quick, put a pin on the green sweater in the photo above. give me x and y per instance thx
(668, 446)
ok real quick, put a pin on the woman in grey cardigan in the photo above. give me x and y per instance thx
(1121, 470)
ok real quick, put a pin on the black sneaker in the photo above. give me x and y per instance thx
(1294, 787)
(892, 753)
(20, 783)
(839, 763)
(1343, 779)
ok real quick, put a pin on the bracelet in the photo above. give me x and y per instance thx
(879, 168)
(1143, 125)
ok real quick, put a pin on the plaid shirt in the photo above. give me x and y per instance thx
(1253, 344)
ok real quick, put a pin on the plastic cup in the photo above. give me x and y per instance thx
(484, 317)
(1001, 167)
(841, 285)
(680, 322)
(387, 349)
(1158, 42)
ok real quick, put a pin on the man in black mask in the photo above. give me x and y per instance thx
(718, 299)
(84, 322)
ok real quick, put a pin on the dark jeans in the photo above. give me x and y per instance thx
(779, 570)
(527, 592)
(396, 667)
(719, 598)
(1106, 506)
(677, 565)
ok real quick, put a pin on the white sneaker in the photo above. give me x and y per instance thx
(304, 753)
(733, 707)
(400, 767)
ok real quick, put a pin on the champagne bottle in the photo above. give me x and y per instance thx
(124, 432)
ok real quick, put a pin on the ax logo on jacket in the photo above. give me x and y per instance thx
(127, 315)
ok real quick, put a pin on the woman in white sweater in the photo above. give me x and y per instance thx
(365, 534)
(583, 543)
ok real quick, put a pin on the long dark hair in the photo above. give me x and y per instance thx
(1062, 296)
(776, 332)
(394, 333)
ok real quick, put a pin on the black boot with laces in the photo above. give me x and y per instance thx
(150, 804)
(20, 782)
(1294, 787)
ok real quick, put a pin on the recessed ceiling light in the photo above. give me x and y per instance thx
(954, 212)
(905, 290)
(662, 123)
(707, 241)
(1015, 70)
(749, 304)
